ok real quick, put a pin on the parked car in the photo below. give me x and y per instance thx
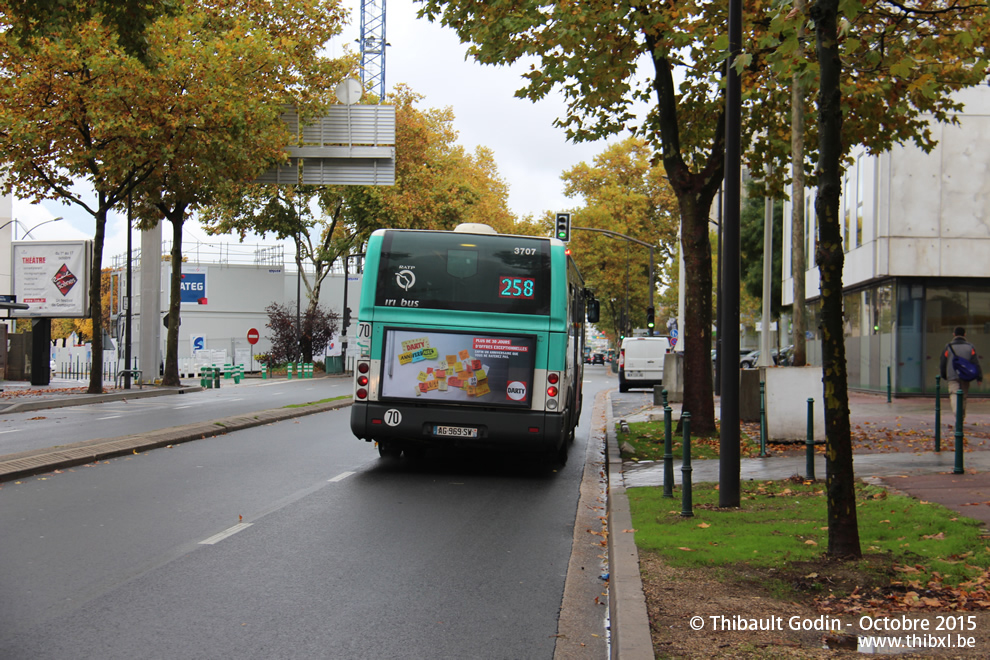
(750, 361)
(743, 352)
(641, 361)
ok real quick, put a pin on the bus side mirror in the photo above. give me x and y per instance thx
(593, 311)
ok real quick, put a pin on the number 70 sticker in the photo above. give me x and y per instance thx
(393, 417)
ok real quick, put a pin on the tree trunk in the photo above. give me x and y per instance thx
(170, 377)
(96, 298)
(798, 255)
(843, 530)
(695, 191)
(697, 338)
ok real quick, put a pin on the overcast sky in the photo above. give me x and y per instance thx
(529, 151)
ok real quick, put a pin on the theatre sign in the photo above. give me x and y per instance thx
(52, 278)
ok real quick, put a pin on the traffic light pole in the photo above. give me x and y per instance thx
(631, 240)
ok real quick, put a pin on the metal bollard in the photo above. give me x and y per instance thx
(663, 393)
(959, 433)
(216, 377)
(686, 505)
(809, 443)
(668, 453)
(888, 384)
(938, 413)
(763, 420)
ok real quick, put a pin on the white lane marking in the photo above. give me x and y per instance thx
(9, 431)
(182, 407)
(341, 476)
(110, 417)
(216, 538)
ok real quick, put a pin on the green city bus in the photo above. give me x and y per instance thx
(469, 338)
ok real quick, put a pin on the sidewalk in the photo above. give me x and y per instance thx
(925, 475)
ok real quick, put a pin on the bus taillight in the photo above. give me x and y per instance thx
(364, 367)
(362, 381)
(361, 393)
(553, 379)
(551, 391)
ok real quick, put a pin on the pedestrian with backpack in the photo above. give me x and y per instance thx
(959, 366)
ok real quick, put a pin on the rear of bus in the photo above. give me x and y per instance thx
(465, 340)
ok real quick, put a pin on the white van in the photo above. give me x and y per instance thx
(641, 361)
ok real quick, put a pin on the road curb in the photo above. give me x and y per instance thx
(84, 399)
(25, 464)
(630, 623)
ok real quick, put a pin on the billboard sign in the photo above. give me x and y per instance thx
(52, 278)
(458, 367)
(192, 287)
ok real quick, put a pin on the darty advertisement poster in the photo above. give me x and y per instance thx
(52, 277)
(455, 367)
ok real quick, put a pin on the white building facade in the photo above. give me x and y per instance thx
(916, 234)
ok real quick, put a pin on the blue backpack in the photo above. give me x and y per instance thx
(965, 370)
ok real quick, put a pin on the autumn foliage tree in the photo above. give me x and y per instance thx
(318, 326)
(226, 89)
(196, 105)
(625, 193)
(438, 185)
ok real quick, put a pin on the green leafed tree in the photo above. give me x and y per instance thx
(883, 71)
(610, 60)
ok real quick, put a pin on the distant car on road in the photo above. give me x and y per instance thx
(749, 361)
(598, 358)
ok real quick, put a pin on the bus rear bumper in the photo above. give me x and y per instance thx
(529, 431)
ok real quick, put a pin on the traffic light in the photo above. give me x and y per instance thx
(651, 314)
(563, 227)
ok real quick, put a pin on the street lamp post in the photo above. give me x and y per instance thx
(28, 233)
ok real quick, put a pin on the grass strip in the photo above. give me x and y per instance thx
(645, 441)
(784, 522)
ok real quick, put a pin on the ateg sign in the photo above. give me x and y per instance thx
(192, 286)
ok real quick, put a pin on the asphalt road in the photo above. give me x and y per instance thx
(290, 540)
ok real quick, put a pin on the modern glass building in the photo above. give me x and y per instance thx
(916, 232)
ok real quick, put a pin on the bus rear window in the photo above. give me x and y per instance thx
(446, 270)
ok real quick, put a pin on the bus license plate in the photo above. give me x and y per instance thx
(456, 431)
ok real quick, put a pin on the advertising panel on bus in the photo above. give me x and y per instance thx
(458, 367)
